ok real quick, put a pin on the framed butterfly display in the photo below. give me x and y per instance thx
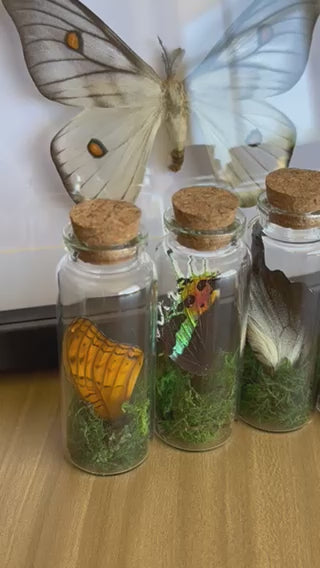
(74, 58)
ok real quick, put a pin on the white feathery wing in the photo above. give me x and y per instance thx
(262, 54)
(274, 333)
(75, 59)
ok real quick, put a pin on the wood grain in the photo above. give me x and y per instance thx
(254, 503)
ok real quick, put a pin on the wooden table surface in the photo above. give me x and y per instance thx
(254, 503)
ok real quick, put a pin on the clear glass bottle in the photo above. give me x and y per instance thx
(279, 383)
(201, 329)
(106, 325)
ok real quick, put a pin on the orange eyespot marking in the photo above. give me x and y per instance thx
(96, 148)
(74, 40)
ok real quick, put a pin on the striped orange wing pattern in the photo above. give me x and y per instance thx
(104, 372)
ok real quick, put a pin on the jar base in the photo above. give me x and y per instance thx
(104, 473)
(197, 448)
(272, 429)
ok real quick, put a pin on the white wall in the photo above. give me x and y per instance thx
(34, 204)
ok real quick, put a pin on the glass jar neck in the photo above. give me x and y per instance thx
(172, 244)
(288, 227)
(204, 242)
(107, 257)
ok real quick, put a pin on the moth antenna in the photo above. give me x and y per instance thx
(175, 59)
(165, 57)
(171, 61)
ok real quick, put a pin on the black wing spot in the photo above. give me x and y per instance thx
(212, 283)
(189, 301)
(201, 285)
(254, 139)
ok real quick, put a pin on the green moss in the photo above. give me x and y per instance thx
(192, 410)
(101, 447)
(280, 399)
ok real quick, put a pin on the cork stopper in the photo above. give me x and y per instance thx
(102, 224)
(204, 208)
(297, 193)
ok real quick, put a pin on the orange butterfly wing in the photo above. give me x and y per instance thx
(104, 372)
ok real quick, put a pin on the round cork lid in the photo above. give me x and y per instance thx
(204, 208)
(294, 190)
(105, 222)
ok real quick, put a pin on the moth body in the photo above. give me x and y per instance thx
(176, 118)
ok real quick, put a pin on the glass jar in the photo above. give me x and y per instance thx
(201, 330)
(106, 324)
(279, 384)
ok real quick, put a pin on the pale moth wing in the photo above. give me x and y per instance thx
(122, 151)
(263, 53)
(261, 138)
(75, 59)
